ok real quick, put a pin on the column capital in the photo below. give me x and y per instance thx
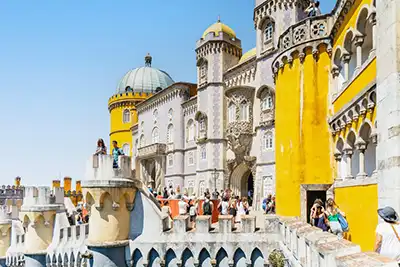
(346, 58)
(361, 144)
(335, 71)
(359, 40)
(338, 155)
(372, 19)
(348, 150)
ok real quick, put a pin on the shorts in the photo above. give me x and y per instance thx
(193, 218)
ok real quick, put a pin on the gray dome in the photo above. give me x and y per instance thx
(144, 79)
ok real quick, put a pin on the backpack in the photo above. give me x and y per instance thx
(207, 208)
(343, 223)
(192, 211)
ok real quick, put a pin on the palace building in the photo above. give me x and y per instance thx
(305, 114)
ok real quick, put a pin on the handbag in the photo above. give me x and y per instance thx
(343, 222)
(395, 232)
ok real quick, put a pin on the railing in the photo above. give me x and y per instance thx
(152, 150)
(308, 29)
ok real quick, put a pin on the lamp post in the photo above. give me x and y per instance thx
(215, 175)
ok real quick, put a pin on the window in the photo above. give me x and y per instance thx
(268, 141)
(190, 158)
(231, 112)
(190, 130)
(266, 103)
(244, 111)
(126, 117)
(170, 113)
(155, 136)
(155, 115)
(203, 70)
(268, 32)
(142, 126)
(203, 152)
(202, 125)
(170, 132)
(170, 160)
(142, 141)
(126, 148)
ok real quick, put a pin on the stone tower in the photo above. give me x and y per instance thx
(216, 51)
(109, 193)
(38, 213)
(388, 100)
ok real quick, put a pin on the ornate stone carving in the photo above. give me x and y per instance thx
(152, 150)
(240, 136)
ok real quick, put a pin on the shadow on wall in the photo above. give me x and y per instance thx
(137, 218)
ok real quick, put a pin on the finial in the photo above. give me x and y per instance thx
(219, 19)
(147, 60)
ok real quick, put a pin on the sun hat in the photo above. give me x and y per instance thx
(388, 214)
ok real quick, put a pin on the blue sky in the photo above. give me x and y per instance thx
(61, 60)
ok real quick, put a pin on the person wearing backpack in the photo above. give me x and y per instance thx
(333, 213)
(193, 205)
(207, 206)
(387, 241)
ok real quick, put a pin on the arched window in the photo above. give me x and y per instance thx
(244, 111)
(170, 133)
(155, 136)
(142, 141)
(126, 148)
(231, 112)
(136, 146)
(268, 32)
(126, 117)
(268, 141)
(142, 126)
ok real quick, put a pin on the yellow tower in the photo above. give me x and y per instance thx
(136, 86)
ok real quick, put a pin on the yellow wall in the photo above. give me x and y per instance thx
(349, 21)
(360, 205)
(303, 140)
(120, 131)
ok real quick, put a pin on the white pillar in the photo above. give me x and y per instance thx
(372, 20)
(346, 60)
(358, 42)
(348, 152)
(338, 159)
(361, 145)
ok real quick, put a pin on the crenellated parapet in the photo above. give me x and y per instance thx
(109, 193)
(11, 195)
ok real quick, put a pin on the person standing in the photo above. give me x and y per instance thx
(387, 242)
(207, 206)
(116, 152)
(101, 147)
(332, 211)
(183, 206)
(223, 206)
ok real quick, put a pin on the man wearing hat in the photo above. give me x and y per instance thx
(388, 234)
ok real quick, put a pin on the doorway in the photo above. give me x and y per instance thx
(250, 189)
(312, 195)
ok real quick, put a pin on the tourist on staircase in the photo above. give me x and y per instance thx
(334, 214)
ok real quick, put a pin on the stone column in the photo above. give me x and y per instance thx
(160, 175)
(358, 42)
(338, 159)
(361, 145)
(346, 60)
(349, 153)
(388, 102)
(335, 74)
(372, 20)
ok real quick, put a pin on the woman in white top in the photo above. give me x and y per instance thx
(223, 206)
(388, 234)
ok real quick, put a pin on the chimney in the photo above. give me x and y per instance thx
(67, 184)
(56, 183)
(17, 181)
(78, 187)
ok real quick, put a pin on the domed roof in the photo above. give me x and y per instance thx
(144, 79)
(249, 54)
(218, 27)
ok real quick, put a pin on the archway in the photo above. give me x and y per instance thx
(241, 180)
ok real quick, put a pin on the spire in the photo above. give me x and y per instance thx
(147, 60)
(219, 19)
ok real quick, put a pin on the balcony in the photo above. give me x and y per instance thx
(152, 150)
(309, 29)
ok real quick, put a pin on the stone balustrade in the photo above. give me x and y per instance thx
(305, 245)
(309, 29)
(152, 150)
